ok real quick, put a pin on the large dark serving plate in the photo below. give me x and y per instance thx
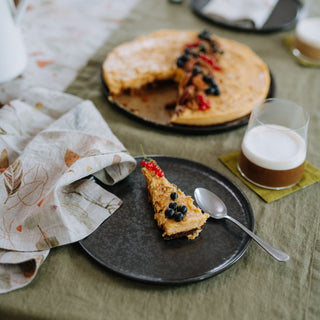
(130, 243)
(150, 108)
(284, 16)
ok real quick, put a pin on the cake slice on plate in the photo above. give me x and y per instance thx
(174, 212)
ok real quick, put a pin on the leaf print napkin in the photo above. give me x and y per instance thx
(50, 142)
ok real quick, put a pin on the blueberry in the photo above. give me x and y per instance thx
(182, 209)
(174, 196)
(202, 48)
(208, 79)
(205, 35)
(211, 91)
(213, 45)
(169, 213)
(178, 216)
(217, 91)
(196, 70)
(173, 205)
(185, 57)
(214, 90)
(180, 62)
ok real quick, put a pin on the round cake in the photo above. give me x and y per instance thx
(219, 80)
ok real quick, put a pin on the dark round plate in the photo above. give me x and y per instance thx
(153, 112)
(284, 16)
(130, 243)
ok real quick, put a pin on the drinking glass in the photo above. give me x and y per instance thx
(274, 146)
(307, 33)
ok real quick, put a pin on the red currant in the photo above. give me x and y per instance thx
(160, 173)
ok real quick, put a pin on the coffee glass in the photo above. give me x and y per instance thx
(274, 146)
(306, 44)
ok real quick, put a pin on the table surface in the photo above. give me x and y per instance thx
(71, 285)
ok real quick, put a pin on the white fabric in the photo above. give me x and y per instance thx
(49, 143)
(60, 36)
(240, 12)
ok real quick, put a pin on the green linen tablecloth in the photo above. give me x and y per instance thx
(70, 285)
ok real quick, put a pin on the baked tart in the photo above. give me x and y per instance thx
(174, 211)
(219, 80)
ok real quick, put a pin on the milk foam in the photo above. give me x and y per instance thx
(274, 147)
(309, 31)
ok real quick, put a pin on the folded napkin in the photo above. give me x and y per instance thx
(311, 175)
(49, 143)
(242, 13)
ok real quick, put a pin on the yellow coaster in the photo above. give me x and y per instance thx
(311, 175)
(288, 40)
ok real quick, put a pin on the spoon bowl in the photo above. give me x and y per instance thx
(216, 208)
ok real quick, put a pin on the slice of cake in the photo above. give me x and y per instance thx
(174, 212)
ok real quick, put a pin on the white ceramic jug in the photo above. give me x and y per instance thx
(13, 58)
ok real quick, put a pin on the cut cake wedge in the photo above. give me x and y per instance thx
(168, 203)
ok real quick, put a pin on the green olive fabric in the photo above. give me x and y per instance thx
(71, 285)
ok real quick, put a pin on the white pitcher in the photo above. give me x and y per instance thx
(13, 58)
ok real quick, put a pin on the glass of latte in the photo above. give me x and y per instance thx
(274, 146)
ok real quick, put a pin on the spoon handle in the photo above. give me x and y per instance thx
(277, 254)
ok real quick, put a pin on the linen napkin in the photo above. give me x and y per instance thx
(311, 176)
(242, 13)
(49, 143)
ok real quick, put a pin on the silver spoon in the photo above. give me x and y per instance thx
(215, 207)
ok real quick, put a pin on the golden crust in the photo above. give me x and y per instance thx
(159, 190)
(244, 80)
(145, 59)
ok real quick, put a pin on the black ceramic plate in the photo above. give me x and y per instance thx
(130, 243)
(284, 16)
(160, 118)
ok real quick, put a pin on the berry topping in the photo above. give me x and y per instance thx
(178, 216)
(193, 45)
(211, 62)
(180, 62)
(200, 61)
(169, 213)
(173, 205)
(204, 103)
(160, 173)
(213, 91)
(196, 70)
(182, 209)
(174, 196)
(185, 57)
(217, 93)
(152, 166)
(209, 80)
(205, 35)
(202, 47)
